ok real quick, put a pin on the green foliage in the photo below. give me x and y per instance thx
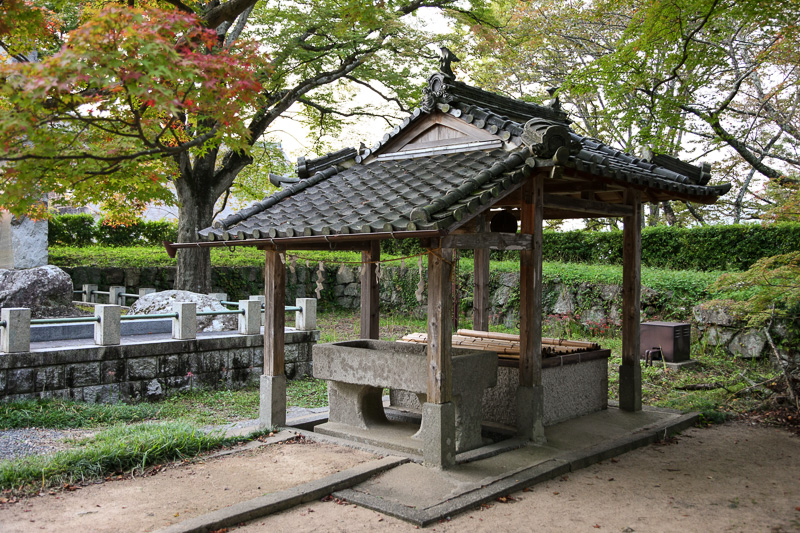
(71, 230)
(732, 247)
(82, 230)
(96, 121)
(120, 449)
(771, 288)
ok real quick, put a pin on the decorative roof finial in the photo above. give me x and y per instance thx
(555, 103)
(446, 58)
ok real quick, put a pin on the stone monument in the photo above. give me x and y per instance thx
(23, 242)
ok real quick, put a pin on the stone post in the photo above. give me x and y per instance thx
(184, 326)
(261, 300)
(107, 330)
(306, 318)
(250, 321)
(15, 336)
(221, 296)
(88, 293)
(114, 295)
(145, 291)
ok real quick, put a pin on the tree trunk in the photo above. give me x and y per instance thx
(196, 208)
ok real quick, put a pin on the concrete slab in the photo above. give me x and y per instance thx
(423, 496)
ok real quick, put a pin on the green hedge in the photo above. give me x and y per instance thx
(83, 230)
(733, 247)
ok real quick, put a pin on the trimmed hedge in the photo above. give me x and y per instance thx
(733, 247)
(83, 230)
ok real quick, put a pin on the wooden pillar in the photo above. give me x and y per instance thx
(272, 406)
(530, 322)
(630, 372)
(370, 293)
(438, 412)
(530, 398)
(480, 291)
(440, 325)
(274, 313)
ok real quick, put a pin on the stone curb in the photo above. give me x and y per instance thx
(285, 499)
(518, 480)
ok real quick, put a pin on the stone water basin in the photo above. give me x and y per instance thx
(358, 371)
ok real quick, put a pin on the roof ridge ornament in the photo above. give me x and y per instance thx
(446, 58)
(436, 91)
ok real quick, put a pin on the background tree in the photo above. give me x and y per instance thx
(141, 96)
(682, 77)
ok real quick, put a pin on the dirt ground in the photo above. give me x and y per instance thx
(732, 477)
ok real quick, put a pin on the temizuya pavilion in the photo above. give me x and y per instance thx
(450, 176)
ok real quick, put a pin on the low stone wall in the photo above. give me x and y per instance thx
(717, 326)
(147, 369)
(574, 385)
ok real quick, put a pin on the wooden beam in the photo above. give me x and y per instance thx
(557, 214)
(488, 241)
(530, 321)
(440, 325)
(587, 206)
(370, 292)
(564, 186)
(630, 397)
(480, 290)
(274, 313)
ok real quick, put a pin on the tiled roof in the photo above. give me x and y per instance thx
(407, 194)
(353, 191)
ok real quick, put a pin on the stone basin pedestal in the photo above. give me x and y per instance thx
(358, 371)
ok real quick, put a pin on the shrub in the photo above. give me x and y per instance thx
(71, 230)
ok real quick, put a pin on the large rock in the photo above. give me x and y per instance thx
(161, 302)
(41, 289)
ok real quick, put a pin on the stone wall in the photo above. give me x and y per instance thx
(717, 326)
(147, 370)
(590, 303)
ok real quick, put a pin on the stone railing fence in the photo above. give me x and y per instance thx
(15, 322)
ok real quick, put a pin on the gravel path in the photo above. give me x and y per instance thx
(16, 443)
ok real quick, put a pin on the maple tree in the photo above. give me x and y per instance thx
(138, 101)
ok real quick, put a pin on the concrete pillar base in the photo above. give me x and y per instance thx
(272, 407)
(439, 435)
(107, 330)
(630, 387)
(16, 335)
(530, 413)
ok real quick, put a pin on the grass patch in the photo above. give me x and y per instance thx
(119, 449)
(65, 414)
(307, 392)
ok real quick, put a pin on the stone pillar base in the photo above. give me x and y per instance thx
(530, 413)
(439, 435)
(630, 387)
(272, 407)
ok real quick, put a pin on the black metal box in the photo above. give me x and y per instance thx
(673, 338)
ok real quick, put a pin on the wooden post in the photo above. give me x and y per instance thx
(480, 291)
(530, 395)
(530, 321)
(274, 313)
(370, 292)
(630, 372)
(440, 325)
